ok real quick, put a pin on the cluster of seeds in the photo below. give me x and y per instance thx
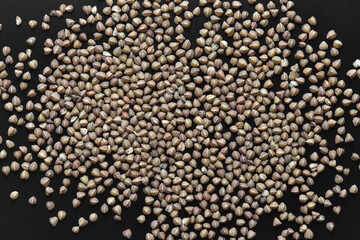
(355, 72)
(212, 131)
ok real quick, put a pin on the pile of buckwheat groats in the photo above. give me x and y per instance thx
(212, 131)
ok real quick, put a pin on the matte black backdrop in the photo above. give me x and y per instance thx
(18, 220)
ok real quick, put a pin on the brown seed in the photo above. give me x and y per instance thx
(312, 21)
(82, 222)
(14, 195)
(276, 222)
(32, 200)
(69, 8)
(32, 24)
(18, 21)
(33, 64)
(31, 41)
(312, 35)
(330, 226)
(351, 73)
(6, 170)
(337, 209)
(337, 44)
(308, 234)
(12, 131)
(104, 208)
(6, 51)
(141, 219)
(50, 205)
(353, 189)
(75, 229)
(355, 157)
(331, 35)
(127, 233)
(53, 221)
(61, 215)
(93, 217)
(45, 26)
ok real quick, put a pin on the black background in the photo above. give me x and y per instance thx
(19, 220)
